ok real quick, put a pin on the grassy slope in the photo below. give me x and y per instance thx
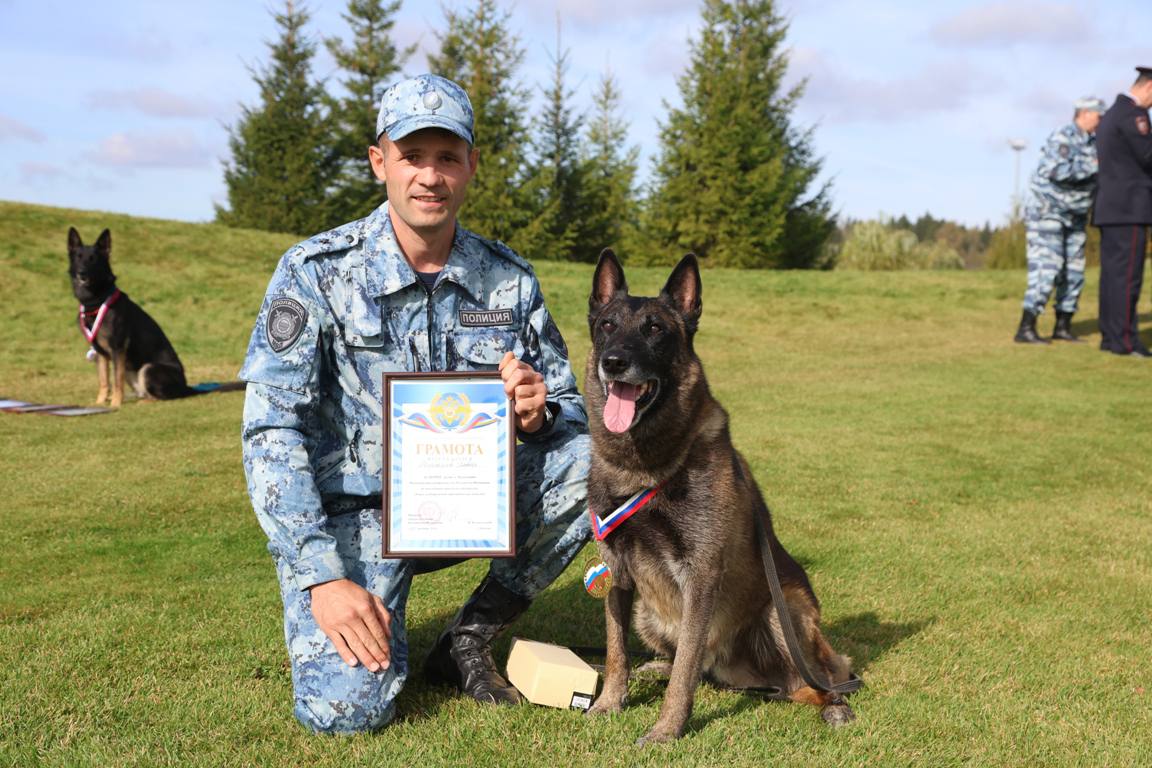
(975, 517)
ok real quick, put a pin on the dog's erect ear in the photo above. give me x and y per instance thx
(608, 280)
(683, 289)
(74, 241)
(104, 244)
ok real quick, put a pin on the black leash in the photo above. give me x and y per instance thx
(854, 683)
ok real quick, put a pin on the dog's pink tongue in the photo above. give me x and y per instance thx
(621, 406)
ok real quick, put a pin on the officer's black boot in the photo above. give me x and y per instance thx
(1026, 333)
(1063, 329)
(461, 657)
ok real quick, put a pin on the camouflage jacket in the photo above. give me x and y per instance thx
(1065, 180)
(343, 308)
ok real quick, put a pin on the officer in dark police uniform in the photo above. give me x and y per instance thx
(1123, 212)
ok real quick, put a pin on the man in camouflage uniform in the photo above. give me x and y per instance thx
(1056, 219)
(404, 289)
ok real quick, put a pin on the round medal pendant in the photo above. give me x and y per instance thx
(597, 578)
(91, 356)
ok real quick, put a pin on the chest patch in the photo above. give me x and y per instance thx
(286, 320)
(485, 318)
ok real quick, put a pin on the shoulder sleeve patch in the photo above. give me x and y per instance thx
(552, 333)
(1142, 125)
(286, 320)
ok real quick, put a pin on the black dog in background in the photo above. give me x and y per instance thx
(122, 334)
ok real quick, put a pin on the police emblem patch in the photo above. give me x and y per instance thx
(1065, 150)
(286, 320)
(1142, 125)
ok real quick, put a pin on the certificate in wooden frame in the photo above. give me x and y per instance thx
(449, 466)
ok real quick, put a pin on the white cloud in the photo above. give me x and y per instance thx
(12, 129)
(598, 13)
(1009, 23)
(156, 102)
(934, 88)
(33, 172)
(170, 150)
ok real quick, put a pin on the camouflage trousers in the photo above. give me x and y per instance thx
(1055, 260)
(552, 525)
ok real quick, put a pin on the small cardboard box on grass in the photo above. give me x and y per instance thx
(551, 675)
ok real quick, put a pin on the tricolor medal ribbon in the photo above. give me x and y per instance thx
(90, 335)
(602, 526)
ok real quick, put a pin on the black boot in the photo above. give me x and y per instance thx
(1063, 329)
(1026, 333)
(461, 657)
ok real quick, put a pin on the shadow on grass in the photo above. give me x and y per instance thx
(567, 616)
(1086, 326)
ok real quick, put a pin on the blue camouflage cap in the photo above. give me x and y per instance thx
(1091, 103)
(425, 101)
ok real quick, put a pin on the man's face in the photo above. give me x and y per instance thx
(1090, 120)
(426, 174)
(1143, 93)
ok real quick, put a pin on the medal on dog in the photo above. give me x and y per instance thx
(91, 356)
(597, 578)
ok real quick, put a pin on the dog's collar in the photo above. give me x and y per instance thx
(90, 333)
(93, 307)
(602, 526)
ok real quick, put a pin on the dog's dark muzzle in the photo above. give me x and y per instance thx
(615, 364)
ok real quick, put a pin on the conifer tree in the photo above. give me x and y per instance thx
(478, 51)
(282, 164)
(732, 180)
(370, 62)
(608, 206)
(555, 179)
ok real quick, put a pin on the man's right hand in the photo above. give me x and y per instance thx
(356, 622)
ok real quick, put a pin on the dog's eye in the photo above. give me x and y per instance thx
(608, 326)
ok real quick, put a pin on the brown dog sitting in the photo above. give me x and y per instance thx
(675, 513)
(123, 336)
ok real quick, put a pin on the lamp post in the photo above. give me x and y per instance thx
(1018, 146)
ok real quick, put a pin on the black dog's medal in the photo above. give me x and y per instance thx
(597, 578)
(286, 320)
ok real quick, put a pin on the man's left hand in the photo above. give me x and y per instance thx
(528, 392)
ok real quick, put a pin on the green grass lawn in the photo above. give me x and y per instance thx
(975, 516)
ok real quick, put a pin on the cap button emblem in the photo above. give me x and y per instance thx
(432, 100)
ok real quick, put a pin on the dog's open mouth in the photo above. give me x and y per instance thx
(624, 403)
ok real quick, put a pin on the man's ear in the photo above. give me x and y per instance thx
(684, 288)
(607, 281)
(376, 160)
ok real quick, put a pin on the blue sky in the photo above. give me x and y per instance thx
(123, 105)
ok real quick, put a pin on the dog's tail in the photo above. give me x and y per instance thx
(208, 387)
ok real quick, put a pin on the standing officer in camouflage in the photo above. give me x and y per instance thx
(404, 289)
(1056, 219)
(1123, 212)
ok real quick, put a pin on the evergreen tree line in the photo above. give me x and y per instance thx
(732, 180)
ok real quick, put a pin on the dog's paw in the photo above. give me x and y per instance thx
(607, 705)
(657, 736)
(837, 715)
